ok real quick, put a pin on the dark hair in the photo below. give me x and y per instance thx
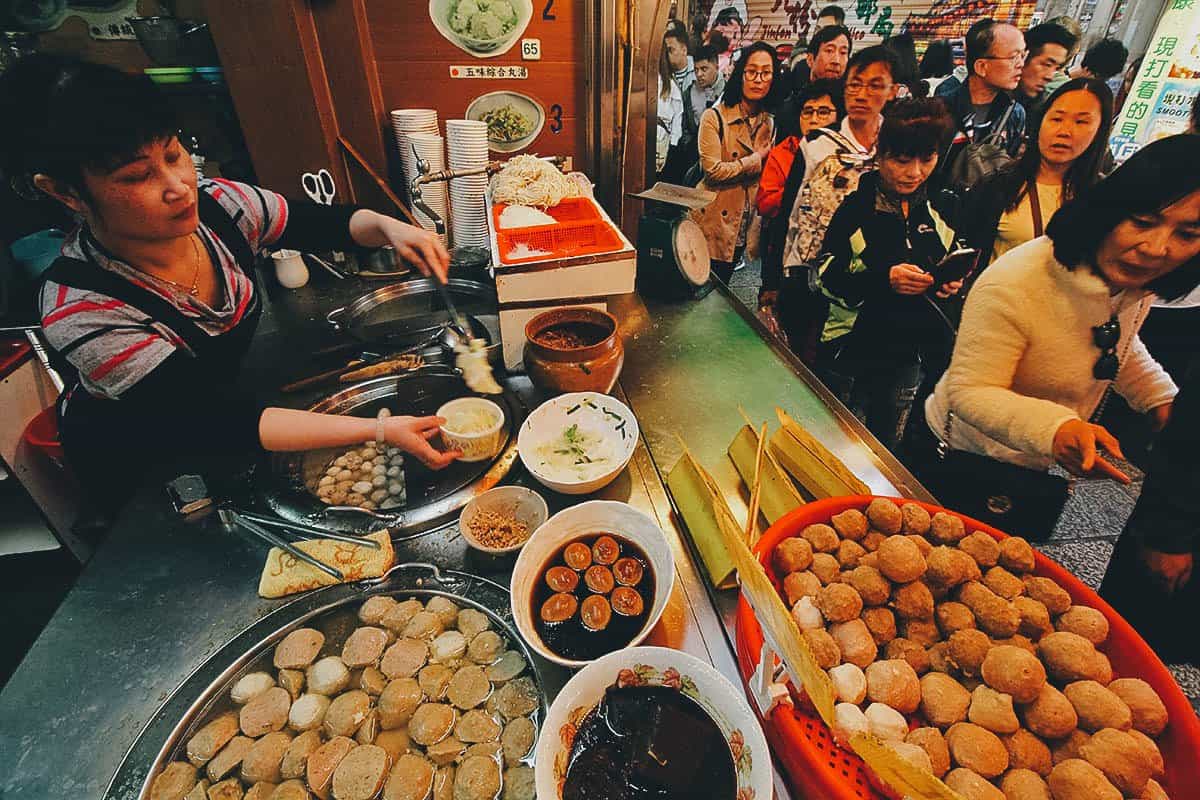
(938, 59)
(72, 115)
(876, 54)
(905, 48)
(1037, 37)
(717, 40)
(728, 14)
(978, 41)
(833, 11)
(733, 86)
(676, 31)
(705, 52)
(1086, 169)
(1160, 174)
(826, 35)
(825, 87)
(1105, 58)
(915, 128)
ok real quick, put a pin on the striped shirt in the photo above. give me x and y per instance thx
(114, 345)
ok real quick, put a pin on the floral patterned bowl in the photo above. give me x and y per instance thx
(654, 666)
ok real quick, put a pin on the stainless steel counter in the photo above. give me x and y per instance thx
(162, 594)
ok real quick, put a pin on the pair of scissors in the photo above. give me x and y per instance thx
(319, 186)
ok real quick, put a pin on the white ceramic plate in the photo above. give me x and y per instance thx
(596, 413)
(439, 13)
(590, 518)
(522, 104)
(659, 666)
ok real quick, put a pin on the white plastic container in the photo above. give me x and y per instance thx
(474, 446)
(290, 269)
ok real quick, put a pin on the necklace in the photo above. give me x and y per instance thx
(194, 288)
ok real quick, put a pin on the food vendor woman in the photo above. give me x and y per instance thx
(154, 303)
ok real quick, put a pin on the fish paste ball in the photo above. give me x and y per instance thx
(934, 744)
(1035, 619)
(477, 778)
(886, 722)
(411, 778)
(823, 646)
(948, 567)
(977, 749)
(894, 682)
(900, 560)
(405, 658)
(993, 710)
(1122, 760)
(939, 661)
(346, 713)
(823, 538)
(398, 702)
(267, 712)
(517, 740)
(881, 622)
(1014, 671)
(967, 650)
(1150, 751)
(1076, 779)
(1070, 657)
(308, 712)
(364, 646)
(913, 601)
(952, 616)
(981, 547)
(1154, 791)
(1097, 707)
(922, 631)
(1026, 751)
(872, 587)
(995, 615)
(174, 782)
(508, 666)
(839, 602)
(793, 554)
(800, 584)
(298, 649)
(910, 652)
(431, 723)
(850, 524)
(1068, 746)
(1048, 593)
(448, 647)
(872, 540)
(1024, 784)
(848, 720)
(485, 648)
(914, 519)
(434, 680)
(1016, 555)
(849, 683)
(1003, 583)
(972, 786)
(328, 676)
(1051, 715)
(1085, 621)
(250, 686)
(944, 701)
(807, 615)
(1149, 712)
(825, 567)
(946, 528)
(855, 642)
(848, 553)
(885, 516)
(372, 611)
(921, 542)
(519, 784)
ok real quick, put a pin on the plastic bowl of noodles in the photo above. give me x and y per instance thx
(483, 27)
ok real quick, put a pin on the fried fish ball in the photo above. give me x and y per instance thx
(1035, 619)
(885, 516)
(559, 607)
(1016, 555)
(977, 749)
(1154, 791)
(850, 524)
(626, 601)
(1024, 784)
(628, 571)
(1013, 671)
(1149, 712)
(881, 622)
(872, 540)
(1048, 593)
(934, 744)
(848, 553)
(1120, 758)
(807, 615)
(922, 631)
(1026, 751)
(800, 584)
(855, 642)
(1097, 707)
(1068, 746)
(1051, 714)
(993, 710)
(944, 701)
(900, 560)
(824, 647)
(967, 650)
(825, 567)
(886, 722)
(894, 682)
(793, 554)
(949, 567)
(839, 602)
(577, 556)
(1076, 779)
(605, 550)
(981, 547)
(909, 651)
(922, 544)
(913, 601)
(1086, 621)
(599, 579)
(595, 612)
(952, 616)
(849, 683)
(914, 519)
(1070, 657)
(823, 538)
(1003, 583)
(938, 660)
(1150, 750)
(972, 786)
(562, 579)
(995, 615)
(872, 587)
(946, 528)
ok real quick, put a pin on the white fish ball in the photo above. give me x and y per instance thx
(807, 615)
(849, 682)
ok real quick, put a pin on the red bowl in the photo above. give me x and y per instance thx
(818, 768)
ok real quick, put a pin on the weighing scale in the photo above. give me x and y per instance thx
(672, 253)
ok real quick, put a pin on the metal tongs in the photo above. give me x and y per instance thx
(257, 525)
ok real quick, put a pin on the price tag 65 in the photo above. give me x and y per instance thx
(531, 49)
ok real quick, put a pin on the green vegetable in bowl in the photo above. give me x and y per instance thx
(482, 19)
(506, 124)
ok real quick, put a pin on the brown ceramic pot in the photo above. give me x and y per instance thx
(592, 367)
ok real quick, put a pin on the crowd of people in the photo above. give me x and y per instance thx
(952, 250)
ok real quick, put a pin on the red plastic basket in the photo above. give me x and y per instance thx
(580, 230)
(42, 434)
(820, 769)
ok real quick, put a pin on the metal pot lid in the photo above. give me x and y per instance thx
(411, 309)
(432, 497)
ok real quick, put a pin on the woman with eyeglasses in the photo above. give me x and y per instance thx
(820, 104)
(1048, 330)
(734, 140)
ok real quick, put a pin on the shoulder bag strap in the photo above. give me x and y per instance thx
(1035, 207)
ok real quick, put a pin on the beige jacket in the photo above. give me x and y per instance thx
(731, 169)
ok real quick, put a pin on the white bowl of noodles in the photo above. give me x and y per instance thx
(513, 119)
(484, 28)
(578, 443)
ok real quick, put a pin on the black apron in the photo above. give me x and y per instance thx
(107, 447)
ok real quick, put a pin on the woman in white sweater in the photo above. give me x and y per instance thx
(1052, 325)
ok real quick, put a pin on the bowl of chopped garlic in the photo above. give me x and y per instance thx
(501, 520)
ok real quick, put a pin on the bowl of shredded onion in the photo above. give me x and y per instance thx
(474, 426)
(578, 443)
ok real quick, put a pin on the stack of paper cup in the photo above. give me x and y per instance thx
(414, 128)
(467, 143)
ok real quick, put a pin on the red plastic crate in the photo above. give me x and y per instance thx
(580, 230)
(821, 770)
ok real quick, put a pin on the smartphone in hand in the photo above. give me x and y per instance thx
(956, 266)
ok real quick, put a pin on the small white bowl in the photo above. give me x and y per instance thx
(592, 411)
(659, 666)
(588, 519)
(474, 446)
(523, 505)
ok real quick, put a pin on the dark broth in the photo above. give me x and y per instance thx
(571, 639)
(649, 743)
(571, 335)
